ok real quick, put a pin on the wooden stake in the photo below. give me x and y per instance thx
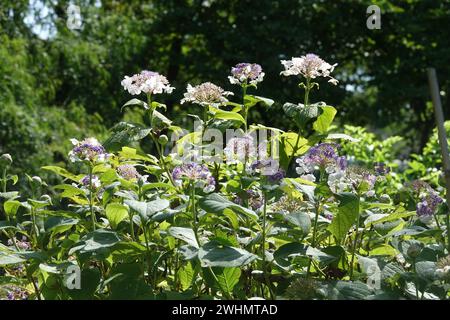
(442, 134)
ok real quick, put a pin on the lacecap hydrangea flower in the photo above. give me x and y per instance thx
(254, 199)
(147, 82)
(23, 244)
(323, 156)
(244, 73)
(128, 172)
(197, 174)
(309, 66)
(240, 149)
(87, 150)
(87, 180)
(206, 94)
(429, 200)
(16, 293)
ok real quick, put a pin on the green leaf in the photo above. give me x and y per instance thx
(346, 290)
(322, 257)
(9, 195)
(160, 121)
(63, 173)
(147, 209)
(96, 241)
(426, 269)
(290, 140)
(228, 115)
(135, 102)
(9, 258)
(129, 283)
(215, 203)
(185, 234)
(11, 207)
(186, 275)
(69, 191)
(308, 190)
(343, 136)
(348, 211)
(251, 100)
(287, 251)
(301, 114)
(124, 134)
(213, 254)
(301, 220)
(116, 213)
(324, 121)
(59, 224)
(228, 278)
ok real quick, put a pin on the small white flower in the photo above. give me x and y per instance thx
(206, 94)
(148, 82)
(310, 66)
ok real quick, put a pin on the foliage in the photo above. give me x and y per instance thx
(158, 226)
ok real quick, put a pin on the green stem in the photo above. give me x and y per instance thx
(91, 199)
(355, 243)
(448, 230)
(244, 108)
(4, 181)
(147, 247)
(194, 213)
(314, 235)
(306, 103)
(263, 246)
(415, 280)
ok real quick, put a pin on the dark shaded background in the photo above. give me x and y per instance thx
(56, 84)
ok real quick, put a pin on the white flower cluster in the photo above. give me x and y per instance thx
(246, 73)
(240, 149)
(206, 94)
(148, 82)
(310, 66)
(87, 150)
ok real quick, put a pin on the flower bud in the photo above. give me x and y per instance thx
(414, 250)
(163, 140)
(6, 158)
(384, 198)
(36, 179)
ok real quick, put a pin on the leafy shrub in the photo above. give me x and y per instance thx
(287, 215)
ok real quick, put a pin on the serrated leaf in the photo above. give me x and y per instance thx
(213, 254)
(348, 211)
(116, 213)
(325, 119)
(185, 234)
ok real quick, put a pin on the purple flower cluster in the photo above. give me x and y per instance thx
(87, 150)
(324, 156)
(428, 205)
(128, 172)
(246, 73)
(23, 244)
(198, 174)
(17, 293)
(86, 182)
(269, 168)
(381, 169)
(429, 200)
(254, 199)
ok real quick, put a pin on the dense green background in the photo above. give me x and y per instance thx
(56, 84)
